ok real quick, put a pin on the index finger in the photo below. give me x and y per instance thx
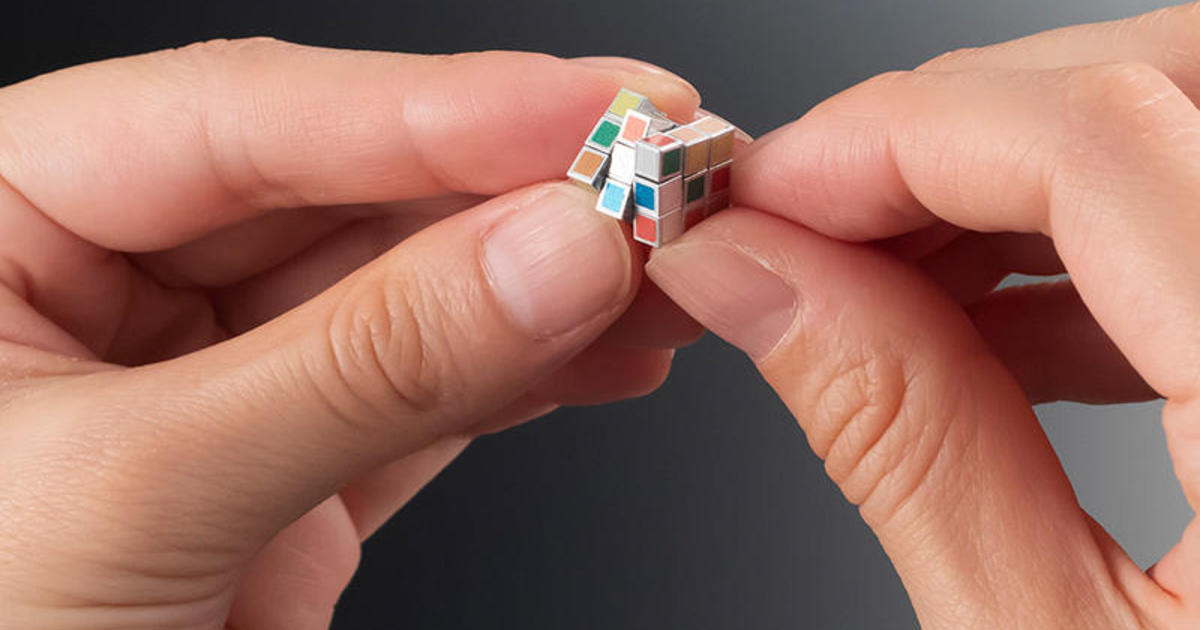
(1103, 159)
(1165, 39)
(150, 151)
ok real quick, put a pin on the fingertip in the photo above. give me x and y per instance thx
(605, 373)
(653, 320)
(726, 285)
(671, 93)
(554, 264)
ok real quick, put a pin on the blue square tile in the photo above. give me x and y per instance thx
(644, 196)
(614, 198)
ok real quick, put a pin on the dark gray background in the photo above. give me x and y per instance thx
(701, 506)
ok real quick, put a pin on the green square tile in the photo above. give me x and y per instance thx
(605, 134)
(671, 161)
(695, 189)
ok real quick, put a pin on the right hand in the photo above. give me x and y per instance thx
(1075, 150)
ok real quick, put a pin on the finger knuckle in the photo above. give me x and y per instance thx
(245, 76)
(873, 87)
(223, 48)
(1118, 106)
(1178, 47)
(390, 345)
(881, 82)
(876, 429)
(950, 59)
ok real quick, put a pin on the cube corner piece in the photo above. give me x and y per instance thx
(659, 157)
(720, 134)
(604, 134)
(615, 200)
(657, 231)
(695, 148)
(589, 168)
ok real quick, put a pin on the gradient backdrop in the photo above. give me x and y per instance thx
(700, 507)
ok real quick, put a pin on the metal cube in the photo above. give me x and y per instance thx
(659, 158)
(658, 198)
(589, 168)
(657, 231)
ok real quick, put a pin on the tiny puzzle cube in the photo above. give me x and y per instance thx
(695, 149)
(659, 157)
(589, 168)
(604, 134)
(662, 177)
(635, 127)
(623, 163)
(615, 199)
(720, 135)
(658, 198)
(655, 230)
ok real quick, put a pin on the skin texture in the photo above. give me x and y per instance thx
(863, 285)
(255, 295)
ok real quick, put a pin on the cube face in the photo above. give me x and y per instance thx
(718, 177)
(721, 148)
(658, 198)
(695, 149)
(589, 168)
(623, 164)
(717, 202)
(721, 138)
(695, 188)
(694, 213)
(645, 229)
(659, 157)
(614, 200)
(635, 127)
(670, 226)
(625, 101)
(657, 231)
(604, 134)
(662, 177)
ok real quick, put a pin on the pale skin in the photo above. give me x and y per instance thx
(222, 372)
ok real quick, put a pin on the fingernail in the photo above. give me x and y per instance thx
(637, 66)
(554, 264)
(729, 292)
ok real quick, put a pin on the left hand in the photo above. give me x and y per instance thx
(254, 295)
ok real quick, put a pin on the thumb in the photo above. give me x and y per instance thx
(917, 422)
(447, 329)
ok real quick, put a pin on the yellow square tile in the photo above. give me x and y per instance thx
(625, 101)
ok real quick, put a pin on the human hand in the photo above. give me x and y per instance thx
(203, 214)
(1075, 150)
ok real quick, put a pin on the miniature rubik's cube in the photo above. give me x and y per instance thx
(661, 176)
